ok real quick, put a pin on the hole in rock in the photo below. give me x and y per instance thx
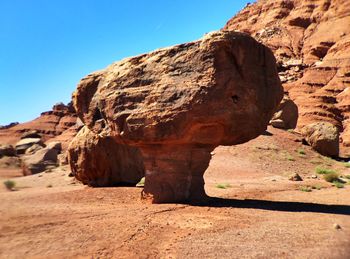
(97, 115)
(235, 98)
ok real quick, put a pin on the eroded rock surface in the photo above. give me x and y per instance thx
(7, 150)
(310, 39)
(177, 104)
(41, 159)
(286, 116)
(26, 143)
(59, 124)
(100, 161)
(323, 137)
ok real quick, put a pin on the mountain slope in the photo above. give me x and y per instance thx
(59, 124)
(311, 41)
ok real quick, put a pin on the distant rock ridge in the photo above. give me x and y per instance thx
(58, 124)
(9, 125)
(311, 42)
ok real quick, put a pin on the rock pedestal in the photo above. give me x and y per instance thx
(175, 172)
(176, 105)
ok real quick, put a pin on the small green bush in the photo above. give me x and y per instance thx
(338, 184)
(301, 152)
(10, 185)
(347, 176)
(223, 185)
(315, 161)
(289, 157)
(331, 177)
(329, 161)
(347, 165)
(317, 187)
(305, 189)
(321, 170)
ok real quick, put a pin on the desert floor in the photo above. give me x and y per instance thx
(257, 212)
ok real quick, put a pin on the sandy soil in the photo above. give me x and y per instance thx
(258, 213)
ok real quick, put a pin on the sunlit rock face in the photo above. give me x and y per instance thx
(310, 39)
(101, 162)
(175, 105)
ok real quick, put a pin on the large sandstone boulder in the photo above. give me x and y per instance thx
(98, 161)
(7, 150)
(24, 144)
(33, 149)
(286, 116)
(40, 160)
(177, 104)
(55, 145)
(323, 137)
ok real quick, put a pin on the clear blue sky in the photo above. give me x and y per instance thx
(47, 46)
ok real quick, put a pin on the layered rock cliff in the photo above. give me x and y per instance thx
(311, 41)
(59, 124)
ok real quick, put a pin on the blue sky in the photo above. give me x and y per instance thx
(47, 46)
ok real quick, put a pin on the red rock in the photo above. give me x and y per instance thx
(286, 116)
(7, 150)
(322, 137)
(50, 125)
(316, 34)
(98, 161)
(31, 134)
(26, 143)
(177, 104)
(39, 161)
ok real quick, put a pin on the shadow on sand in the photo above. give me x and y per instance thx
(275, 205)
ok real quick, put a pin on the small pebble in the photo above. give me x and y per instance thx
(295, 177)
(336, 226)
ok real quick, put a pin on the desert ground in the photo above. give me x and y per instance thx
(254, 211)
(271, 197)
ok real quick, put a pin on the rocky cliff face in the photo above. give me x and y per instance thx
(176, 105)
(57, 124)
(311, 41)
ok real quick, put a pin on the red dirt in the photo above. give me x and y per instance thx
(260, 215)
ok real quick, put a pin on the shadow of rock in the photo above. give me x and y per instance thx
(275, 205)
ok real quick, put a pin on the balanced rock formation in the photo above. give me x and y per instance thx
(310, 39)
(323, 137)
(59, 124)
(177, 104)
(100, 161)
